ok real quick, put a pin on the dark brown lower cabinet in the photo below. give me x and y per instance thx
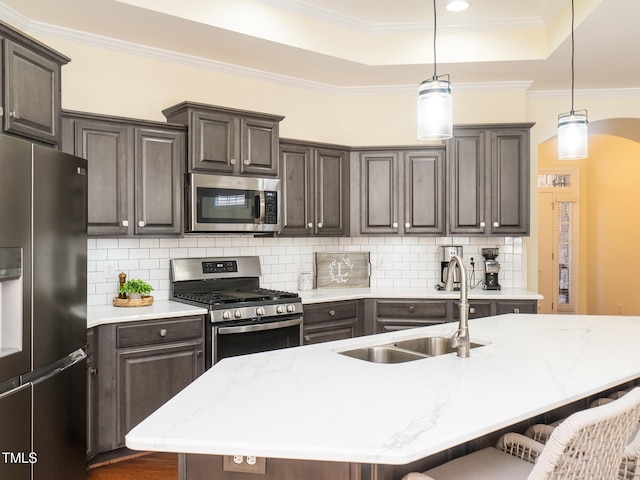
(208, 467)
(325, 322)
(137, 367)
(399, 314)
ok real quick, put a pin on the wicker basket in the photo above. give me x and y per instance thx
(133, 302)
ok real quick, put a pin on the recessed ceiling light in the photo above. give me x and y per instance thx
(457, 5)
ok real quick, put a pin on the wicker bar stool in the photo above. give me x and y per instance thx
(630, 465)
(588, 445)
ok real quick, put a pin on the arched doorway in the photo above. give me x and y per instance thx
(607, 218)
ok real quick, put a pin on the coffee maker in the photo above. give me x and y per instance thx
(446, 252)
(491, 268)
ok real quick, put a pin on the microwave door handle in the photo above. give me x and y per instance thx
(259, 207)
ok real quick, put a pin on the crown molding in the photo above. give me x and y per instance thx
(585, 93)
(338, 19)
(37, 28)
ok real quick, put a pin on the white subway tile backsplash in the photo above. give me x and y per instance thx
(402, 262)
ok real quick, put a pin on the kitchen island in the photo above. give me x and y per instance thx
(312, 403)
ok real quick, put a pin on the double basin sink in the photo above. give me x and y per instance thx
(406, 350)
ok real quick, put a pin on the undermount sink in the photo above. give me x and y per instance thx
(431, 346)
(406, 350)
(383, 354)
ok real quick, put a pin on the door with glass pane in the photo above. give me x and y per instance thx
(558, 240)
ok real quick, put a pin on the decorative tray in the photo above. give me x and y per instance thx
(133, 302)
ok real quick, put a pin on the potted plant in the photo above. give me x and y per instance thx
(136, 288)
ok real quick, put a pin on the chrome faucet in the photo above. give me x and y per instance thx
(460, 338)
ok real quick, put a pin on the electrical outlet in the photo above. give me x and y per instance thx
(109, 270)
(244, 464)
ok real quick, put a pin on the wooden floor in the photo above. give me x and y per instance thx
(153, 466)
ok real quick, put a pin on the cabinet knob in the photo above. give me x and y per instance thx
(198, 353)
(307, 338)
(232, 161)
(516, 310)
(141, 224)
(309, 225)
(332, 313)
(472, 310)
(407, 225)
(483, 224)
(163, 332)
(412, 309)
(496, 224)
(93, 371)
(395, 225)
(320, 225)
(246, 162)
(125, 223)
(13, 115)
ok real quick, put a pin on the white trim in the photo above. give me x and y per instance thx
(605, 92)
(351, 23)
(32, 28)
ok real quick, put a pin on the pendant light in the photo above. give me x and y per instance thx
(435, 106)
(572, 126)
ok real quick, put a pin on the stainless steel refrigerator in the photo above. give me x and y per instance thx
(43, 329)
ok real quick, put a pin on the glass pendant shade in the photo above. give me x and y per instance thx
(572, 136)
(435, 110)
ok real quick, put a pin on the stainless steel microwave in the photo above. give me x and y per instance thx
(217, 203)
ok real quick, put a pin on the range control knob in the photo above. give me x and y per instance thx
(226, 314)
(291, 308)
(260, 311)
(237, 314)
(280, 309)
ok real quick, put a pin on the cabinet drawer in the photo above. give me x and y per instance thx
(477, 309)
(523, 306)
(330, 311)
(159, 332)
(419, 309)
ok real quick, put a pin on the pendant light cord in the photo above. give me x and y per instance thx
(435, 24)
(573, 53)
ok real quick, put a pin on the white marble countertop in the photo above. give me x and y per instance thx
(106, 314)
(337, 294)
(313, 403)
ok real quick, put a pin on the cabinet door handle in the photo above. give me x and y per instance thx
(163, 332)
(407, 225)
(125, 223)
(141, 224)
(395, 225)
(320, 225)
(496, 224)
(309, 225)
(246, 161)
(13, 114)
(332, 313)
(232, 161)
(483, 224)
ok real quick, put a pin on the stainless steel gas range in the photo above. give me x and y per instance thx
(243, 318)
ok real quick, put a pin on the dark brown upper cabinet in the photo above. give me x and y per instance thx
(228, 141)
(315, 189)
(488, 180)
(30, 106)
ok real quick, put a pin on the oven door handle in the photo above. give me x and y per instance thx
(258, 327)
